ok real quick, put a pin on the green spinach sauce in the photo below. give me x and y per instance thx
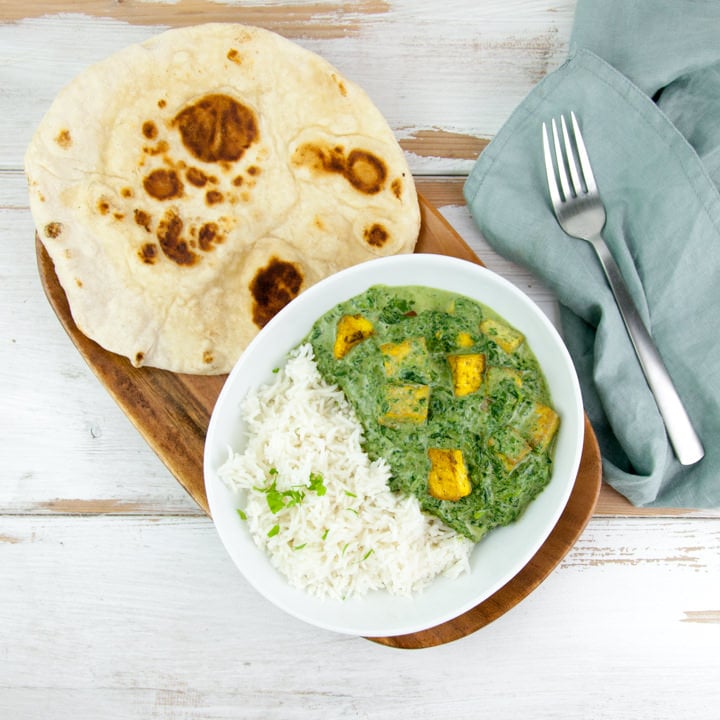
(400, 374)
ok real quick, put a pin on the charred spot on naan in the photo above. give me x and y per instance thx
(273, 287)
(213, 197)
(149, 130)
(143, 219)
(217, 128)
(172, 243)
(149, 253)
(198, 178)
(163, 184)
(176, 244)
(53, 230)
(234, 56)
(376, 235)
(396, 186)
(364, 170)
(160, 148)
(64, 139)
(342, 88)
(209, 235)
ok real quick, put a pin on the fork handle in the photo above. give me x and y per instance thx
(685, 441)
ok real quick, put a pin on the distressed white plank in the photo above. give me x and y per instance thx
(63, 438)
(148, 618)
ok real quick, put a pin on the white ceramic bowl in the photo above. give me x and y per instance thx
(502, 553)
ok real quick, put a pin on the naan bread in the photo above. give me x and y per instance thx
(190, 186)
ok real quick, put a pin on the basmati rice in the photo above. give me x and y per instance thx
(350, 534)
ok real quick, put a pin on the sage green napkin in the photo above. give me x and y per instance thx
(644, 81)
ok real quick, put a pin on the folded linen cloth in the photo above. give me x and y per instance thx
(644, 81)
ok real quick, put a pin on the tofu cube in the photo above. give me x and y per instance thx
(497, 375)
(506, 337)
(509, 447)
(448, 478)
(543, 423)
(410, 355)
(405, 404)
(351, 330)
(467, 372)
(464, 340)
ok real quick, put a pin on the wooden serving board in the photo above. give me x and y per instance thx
(172, 412)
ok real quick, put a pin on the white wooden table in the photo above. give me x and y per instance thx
(117, 599)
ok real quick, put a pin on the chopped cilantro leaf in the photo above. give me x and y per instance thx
(317, 483)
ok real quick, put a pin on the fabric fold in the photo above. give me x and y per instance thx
(663, 228)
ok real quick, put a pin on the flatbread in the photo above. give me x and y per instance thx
(188, 187)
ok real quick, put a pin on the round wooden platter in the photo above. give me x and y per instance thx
(172, 411)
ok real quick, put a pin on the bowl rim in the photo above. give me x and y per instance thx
(327, 293)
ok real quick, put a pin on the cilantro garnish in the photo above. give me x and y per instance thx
(317, 483)
(278, 500)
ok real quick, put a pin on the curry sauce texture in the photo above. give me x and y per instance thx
(449, 394)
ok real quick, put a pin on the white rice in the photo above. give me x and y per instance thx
(358, 536)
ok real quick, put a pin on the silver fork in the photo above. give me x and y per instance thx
(581, 214)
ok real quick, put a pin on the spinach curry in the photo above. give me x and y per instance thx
(449, 394)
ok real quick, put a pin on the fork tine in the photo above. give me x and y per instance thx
(550, 170)
(564, 184)
(583, 156)
(570, 154)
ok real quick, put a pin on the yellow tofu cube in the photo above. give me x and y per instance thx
(506, 337)
(467, 372)
(351, 330)
(497, 375)
(464, 340)
(405, 404)
(510, 448)
(542, 426)
(448, 478)
(410, 354)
